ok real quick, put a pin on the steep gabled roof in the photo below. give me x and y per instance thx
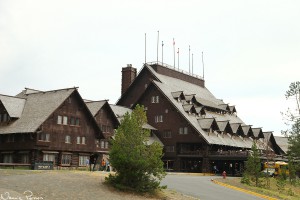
(257, 132)
(206, 123)
(38, 107)
(95, 106)
(173, 88)
(13, 105)
(283, 143)
(223, 125)
(120, 111)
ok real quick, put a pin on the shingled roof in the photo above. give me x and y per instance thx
(95, 106)
(172, 88)
(38, 107)
(13, 105)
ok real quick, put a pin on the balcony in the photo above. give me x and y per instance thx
(229, 154)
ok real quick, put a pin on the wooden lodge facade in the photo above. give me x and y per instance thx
(53, 126)
(198, 130)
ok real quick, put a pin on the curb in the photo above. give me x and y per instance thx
(244, 190)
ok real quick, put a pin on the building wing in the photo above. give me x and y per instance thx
(37, 108)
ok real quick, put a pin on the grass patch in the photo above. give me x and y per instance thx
(290, 192)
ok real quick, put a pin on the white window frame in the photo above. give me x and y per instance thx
(186, 130)
(66, 159)
(82, 160)
(78, 139)
(102, 144)
(106, 145)
(59, 119)
(83, 141)
(153, 99)
(65, 120)
(68, 139)
(49, 157)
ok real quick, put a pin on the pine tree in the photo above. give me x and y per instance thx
(138, 166)
(253, 166)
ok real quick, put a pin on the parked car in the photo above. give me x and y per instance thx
(269, 171)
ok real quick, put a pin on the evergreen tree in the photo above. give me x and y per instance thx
(138, 166)
(253, 165)
(293, 119)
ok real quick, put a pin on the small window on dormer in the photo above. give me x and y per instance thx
(5, 117)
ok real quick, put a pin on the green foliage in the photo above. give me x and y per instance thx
(245, 179)
(253, 166)
(280, 183)
(138, 166)
(293, 119)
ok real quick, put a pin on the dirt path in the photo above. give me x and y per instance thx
(48, 185)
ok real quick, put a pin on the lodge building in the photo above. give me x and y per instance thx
(55, 126)
(198, 130)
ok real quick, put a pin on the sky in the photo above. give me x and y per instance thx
(251, 49)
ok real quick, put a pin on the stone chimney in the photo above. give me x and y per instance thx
(128, 75)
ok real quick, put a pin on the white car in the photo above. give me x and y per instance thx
(269, 171)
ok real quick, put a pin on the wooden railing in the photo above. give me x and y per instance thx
(13, 165)
(229, 153)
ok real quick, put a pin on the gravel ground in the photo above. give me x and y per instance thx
(48, 185)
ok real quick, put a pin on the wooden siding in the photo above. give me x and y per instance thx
(136, 89)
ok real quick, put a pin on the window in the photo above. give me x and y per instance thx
(155, 99)
(169, 148)
(77, 122)
(72, 121)
(158, 118)
(83, 140)
(183, 130)
(166, 111)
(78, 140)
(65, 120)
(44, 137)
(180, 130)
(68, 139)
(103, 128)
(5, 117)
(102, 144)
(7, 158)
(167, 134)
(0, 117)
(59, 119)
(49, 157)
(24, 158)
(106, 145)
(66, 159)
(83, 160)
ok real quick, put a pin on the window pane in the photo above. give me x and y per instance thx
(65, 122)
(78, 140)
(77, 121)
(83, 140)
(59, 119)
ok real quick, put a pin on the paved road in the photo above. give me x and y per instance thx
(203, 188)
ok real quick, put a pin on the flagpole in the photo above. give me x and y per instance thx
(178, 58)
(174, 51)
(192, 63)
(189, 59)
(203, 65)
(162, 52)
(145, 48)
(157, 47)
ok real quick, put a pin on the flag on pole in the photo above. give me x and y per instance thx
(174, 51)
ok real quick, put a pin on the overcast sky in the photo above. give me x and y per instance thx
(251, 48)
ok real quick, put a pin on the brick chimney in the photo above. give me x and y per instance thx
(128, 75)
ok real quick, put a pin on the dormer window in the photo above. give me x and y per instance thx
(155, 99)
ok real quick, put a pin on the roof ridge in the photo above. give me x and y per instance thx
(12, 96)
